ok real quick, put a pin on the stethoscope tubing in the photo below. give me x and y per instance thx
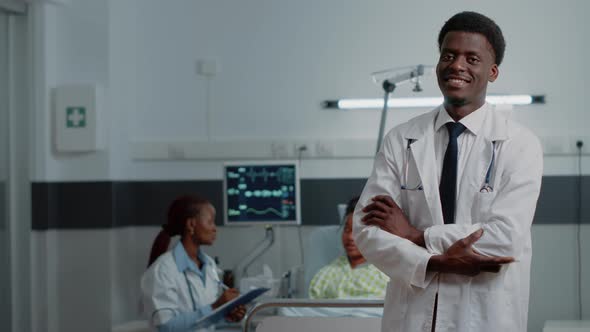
(485, 188)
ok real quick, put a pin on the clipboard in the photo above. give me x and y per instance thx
(223, 310)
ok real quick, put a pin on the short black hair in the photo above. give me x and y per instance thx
(476, 23)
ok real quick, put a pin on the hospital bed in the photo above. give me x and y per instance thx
(340, 323)
(322, 246)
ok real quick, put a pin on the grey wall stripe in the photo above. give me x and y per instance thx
(77, 205)
(3, 209)
(319, 198)
(89, 205)
(146, 203)
(558, 201)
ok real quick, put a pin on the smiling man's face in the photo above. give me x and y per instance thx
(466, 65)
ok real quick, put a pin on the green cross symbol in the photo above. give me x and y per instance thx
(75, 117)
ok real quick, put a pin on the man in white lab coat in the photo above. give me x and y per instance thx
(447, 210)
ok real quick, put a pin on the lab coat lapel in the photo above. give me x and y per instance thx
(493, 129)
(473, 178)
(422, 150)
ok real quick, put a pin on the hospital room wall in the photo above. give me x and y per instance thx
(278, 61)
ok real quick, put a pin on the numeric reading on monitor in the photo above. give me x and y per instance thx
(261, 193)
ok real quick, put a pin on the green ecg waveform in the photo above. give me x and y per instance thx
(265, 211)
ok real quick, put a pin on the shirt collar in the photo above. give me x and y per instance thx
(183, 262)
(472, 122)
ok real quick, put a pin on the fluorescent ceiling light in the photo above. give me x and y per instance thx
(510, 99)
(376, 103)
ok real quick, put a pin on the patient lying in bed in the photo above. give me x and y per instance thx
(347, 277)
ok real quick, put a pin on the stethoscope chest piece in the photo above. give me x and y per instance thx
(487, 188)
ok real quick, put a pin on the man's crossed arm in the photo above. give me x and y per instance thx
(460, 258)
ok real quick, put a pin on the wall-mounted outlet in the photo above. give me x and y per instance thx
(583, 141)
(565, 145)
(302, 150)
(324, 149)
(556, 145)
(176, 151)
(207, 67)
(279, 150)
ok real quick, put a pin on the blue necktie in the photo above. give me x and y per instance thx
(448, 179)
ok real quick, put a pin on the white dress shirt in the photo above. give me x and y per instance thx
(472, 122)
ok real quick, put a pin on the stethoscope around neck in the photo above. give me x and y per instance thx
(404, 184)
(486, 188)
(190, 291)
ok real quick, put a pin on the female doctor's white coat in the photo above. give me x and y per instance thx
(488, 302)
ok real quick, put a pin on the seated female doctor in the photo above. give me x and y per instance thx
(181, 286)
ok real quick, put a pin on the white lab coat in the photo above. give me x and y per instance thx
(488, 302)
(165, 291)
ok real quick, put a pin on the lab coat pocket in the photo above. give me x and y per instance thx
(482, 204)
(493, 309)
(396, 302)
(416, 208)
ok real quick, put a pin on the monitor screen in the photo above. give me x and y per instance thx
(261, 193)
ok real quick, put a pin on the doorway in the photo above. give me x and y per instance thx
(5, 282)
(15, 223)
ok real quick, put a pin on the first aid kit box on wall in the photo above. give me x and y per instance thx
(78, 118)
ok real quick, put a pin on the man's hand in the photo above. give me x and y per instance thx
(387, 215)
(226, 296)
(236, 314)
(460, 258)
